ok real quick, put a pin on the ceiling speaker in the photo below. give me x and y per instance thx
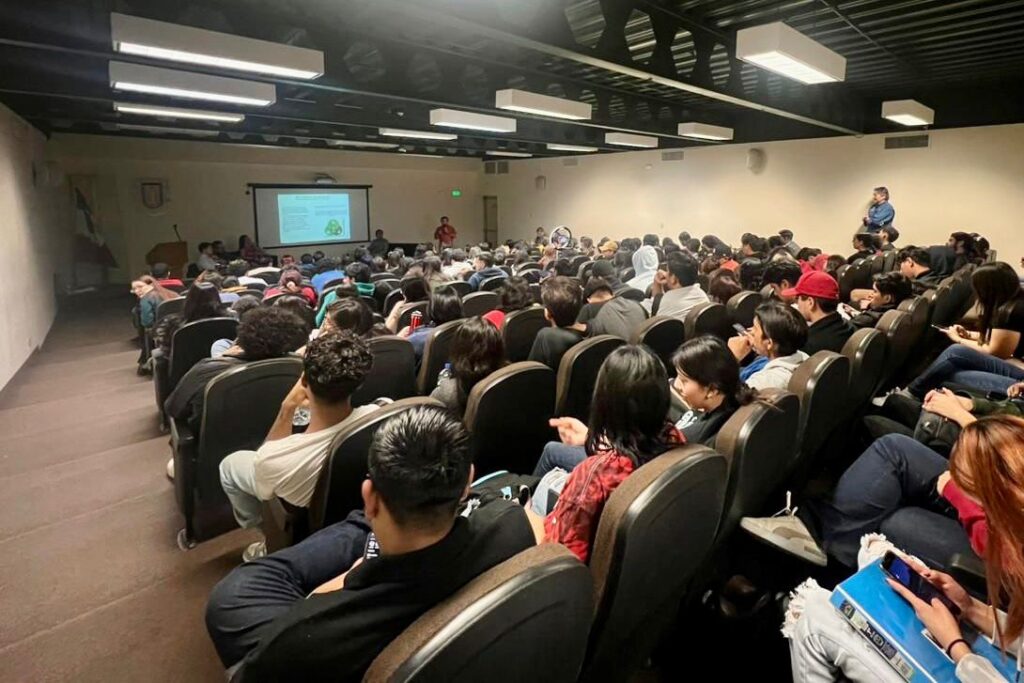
(756, 160)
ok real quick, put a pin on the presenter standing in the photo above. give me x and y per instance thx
(880, 212)
(445, 234)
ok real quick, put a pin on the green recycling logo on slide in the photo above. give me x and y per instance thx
(333, 228)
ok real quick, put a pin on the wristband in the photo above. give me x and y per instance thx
(949, 648)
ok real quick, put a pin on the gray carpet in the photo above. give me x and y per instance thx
(92, 584)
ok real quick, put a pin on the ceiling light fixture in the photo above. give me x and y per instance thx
(908, 113)
(416, 134)
(545, 105)
(176, 112)
(704, 131)
(630, 140)
(162, 40)
(452, 118)
(782, 49)
(503, 153)
(362, 143)
(155, 81)
(570, 148)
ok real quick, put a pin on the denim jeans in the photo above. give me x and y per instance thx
(256, 593)
(964, 365)
(238, 478)
(557, 454)
(895, 472)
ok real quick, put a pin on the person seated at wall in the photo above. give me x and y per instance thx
(675, 290)
(817, 299)
(239, 269)
(161, 272)
(251, 252)
(916, 265)
(776, 337)
(220, 252)
(327, 270)
(322, 610)
(865, 244)
(434, 272)
(205, 259)
(722, 286)
(708, 382)
(888, 291)
(605, 313)
(201, 302)
(992, 358)
(477, 350)
(443, 307)
(627, 428)
(645, 265)
(288, 465)
(514, 296)
(414, 290)
(781, 275)
(290, 282)
(887, 237)
(562, 299)
(485, 268)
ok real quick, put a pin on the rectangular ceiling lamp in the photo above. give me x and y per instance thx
(168, 130)
(704, 131)
(176, 112)
(415, 134)
(630, 140)
(545, 105)
(503, 153)
(780, 48)
(570, 148)
(171, 83)
(908, 112)
(451, 118)
(162, 40)
(363, 143)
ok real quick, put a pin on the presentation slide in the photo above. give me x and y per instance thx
(300, 216)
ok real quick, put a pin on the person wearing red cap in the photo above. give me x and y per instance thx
(817, 299)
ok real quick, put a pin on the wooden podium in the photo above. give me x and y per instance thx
(174, 254)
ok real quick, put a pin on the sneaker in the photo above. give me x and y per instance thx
(787, 533)
(170, 469)
(255, 551)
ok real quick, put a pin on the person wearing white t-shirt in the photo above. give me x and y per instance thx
(288, 465)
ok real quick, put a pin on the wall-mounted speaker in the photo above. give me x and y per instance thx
(756, 160)
(540, 182)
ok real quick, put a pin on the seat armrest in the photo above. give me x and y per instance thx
(969, 571)
(283, 524)
(182, 438)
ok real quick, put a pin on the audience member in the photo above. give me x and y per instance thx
(205, 261)
(434, 273)
(608, 249)
(201, 302)
(887, 237)
(788, 243)
(162, 274)
(880, 212)
(150, 294)
(485, 269)
(708, 381)
(515, 295)
(328, 270)
(781, 275)
(916, 264)
(605, 313)
(443, 307)
(888, 291)
(722, 286)
(645, 265)
(606, 270)
(866, 244)
(777, 335)
(239, 269)
(414, 290)
(562, 300)
(477, 350)
(675, 290)
(290, 282)
(379, 246)
(250, 251)
(817, 298)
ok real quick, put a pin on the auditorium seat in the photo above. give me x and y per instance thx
(177, 289)
(336, 282)
(741, 308)
(519, 331)
(507, 415)
(708, 318)
(759, 442)
(391, 299)
(479, 303)
(529, 265)
(338, 489)
(460, 287)
(865, 350)
(889, 262)
(821, 383)
(393, 374)
(492, 283)
(583, 271)
(577, 374)
(655, 532)
(190, 344)
(370, 302)
(406, 317)
(435, 356)
(507, 268)
(919, 309)
(271, 278)
(269, 300)
(899, 334)
(578, 261)
(535, 293)
(953, 298)
(525, 619)
(240, 407)
(662, 335)
(627, 274)
(767, 293)
(252, 292)
(169, 307)
(847, 277)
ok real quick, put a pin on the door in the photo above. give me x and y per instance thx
(491, 220)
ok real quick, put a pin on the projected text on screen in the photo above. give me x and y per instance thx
(308, 218)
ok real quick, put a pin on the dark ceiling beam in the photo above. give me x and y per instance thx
(834, 8)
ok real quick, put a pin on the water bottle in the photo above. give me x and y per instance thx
(447, 372)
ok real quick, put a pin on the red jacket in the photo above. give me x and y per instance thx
(972, 516)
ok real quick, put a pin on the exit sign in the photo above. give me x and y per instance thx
(456, 193)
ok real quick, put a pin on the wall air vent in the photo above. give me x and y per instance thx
(906, 141)
(490, 167)
(502, 168)
(672, 156)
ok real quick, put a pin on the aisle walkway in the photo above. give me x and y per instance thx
(92, 584)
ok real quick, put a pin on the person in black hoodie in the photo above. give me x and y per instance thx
(708, 382)
(888, 291)
(323, 609)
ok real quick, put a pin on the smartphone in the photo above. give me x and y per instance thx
(941, 329)
(740, 330)
(899, 570)
(372, 548)
(415, 320)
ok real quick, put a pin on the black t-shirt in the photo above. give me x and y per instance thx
(551, 344)
(870, 317)
(186, 401)
(929, 279)
(828, 334)
(336, 636)
(1011, 317)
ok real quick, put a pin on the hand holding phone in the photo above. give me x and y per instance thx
(740, 330)
(900, 571)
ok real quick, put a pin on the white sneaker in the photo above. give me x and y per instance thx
(255, 551)
(787, 533)
(170, 469)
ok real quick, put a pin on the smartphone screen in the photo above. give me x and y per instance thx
(898, 569)
(372, 549)
(740, 330)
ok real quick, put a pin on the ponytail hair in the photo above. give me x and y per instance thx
(709, 362)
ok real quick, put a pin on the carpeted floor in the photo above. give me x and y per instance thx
(92, 584)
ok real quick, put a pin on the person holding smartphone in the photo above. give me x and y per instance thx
(988, 466)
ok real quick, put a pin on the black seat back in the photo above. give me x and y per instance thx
(655, 532)
(847, 277)
(534, 608)
(821, 383)
(492, 283)
(741, 307)
(393, 374)
(191, 343)
(577, 375)
(339, 487)
(662, 335)
(460, 287)
(479, 303)
(920, 311)
(953, 298)
(519, 331)
(507, 413)
(865, 350)
(169, 307)
(899, 336)
(708, 318)
(435, 355)
(391, 299)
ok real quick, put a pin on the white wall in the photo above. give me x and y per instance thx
(207, 186)
(35, 236)
(967, 179)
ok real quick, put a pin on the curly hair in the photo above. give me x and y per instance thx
(270, 332)
(335, 365)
